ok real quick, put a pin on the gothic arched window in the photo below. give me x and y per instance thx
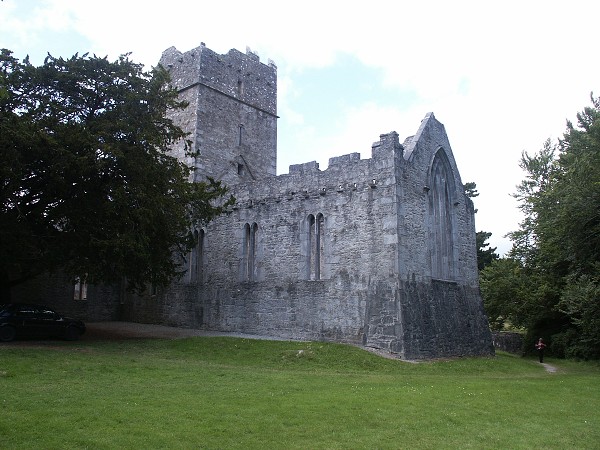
(315, 241)
(249, 252)
(197, 256)
(441, 218)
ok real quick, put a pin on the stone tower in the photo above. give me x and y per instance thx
(232, 112)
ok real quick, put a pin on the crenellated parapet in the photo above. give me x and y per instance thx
(235, 74)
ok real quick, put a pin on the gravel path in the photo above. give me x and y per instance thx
(131, 330)
(549, 368)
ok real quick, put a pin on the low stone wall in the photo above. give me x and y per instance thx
(508, 341)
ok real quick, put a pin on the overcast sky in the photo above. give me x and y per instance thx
(502, 77)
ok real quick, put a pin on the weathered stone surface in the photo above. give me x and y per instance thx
(508, 341)
(378, 234)
(377, 251)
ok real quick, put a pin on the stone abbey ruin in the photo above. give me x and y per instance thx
(378, 251)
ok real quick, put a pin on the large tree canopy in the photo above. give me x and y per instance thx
(87, 183)
(551, 286)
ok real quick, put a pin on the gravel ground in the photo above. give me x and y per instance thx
(131, 330)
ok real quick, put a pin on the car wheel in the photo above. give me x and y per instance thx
(7, 333)
(72, 333)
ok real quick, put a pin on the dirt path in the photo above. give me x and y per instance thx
(549, 368)
(131, 330)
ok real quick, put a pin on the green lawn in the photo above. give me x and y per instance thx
(222, 393)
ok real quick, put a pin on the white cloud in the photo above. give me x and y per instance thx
(502, 77)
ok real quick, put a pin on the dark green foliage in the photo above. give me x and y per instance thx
(88, 186)
(471, 189)
(550, 284)
(503, 288)
(485, 254)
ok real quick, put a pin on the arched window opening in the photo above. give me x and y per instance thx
(197, 257)
(441, 214)
(240, 134)
(80, 289)
(249, 252)
(315, 258)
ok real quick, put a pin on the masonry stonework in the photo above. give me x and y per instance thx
(377, 251)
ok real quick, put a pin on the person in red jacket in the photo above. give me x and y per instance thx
(540, 348)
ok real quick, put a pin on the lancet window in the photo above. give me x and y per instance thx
(315, 241)
(249, 252)
(80, 292)
(441, 215)
(197, 257)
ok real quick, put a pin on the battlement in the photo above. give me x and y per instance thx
(235, 74)
(344, 159)
(304, 168)
(384, 151)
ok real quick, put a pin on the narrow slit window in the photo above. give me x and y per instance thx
(249, 252)
(240, 134)
(315, 260)
(197, 257)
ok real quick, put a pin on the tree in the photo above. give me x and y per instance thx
(557, 246)
(471, 189)
(531, 194)
(574, 232)
(504, 288)
(485, 255)
(88, 184)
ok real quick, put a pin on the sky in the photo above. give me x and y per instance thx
(502, 77)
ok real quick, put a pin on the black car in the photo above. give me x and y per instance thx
(18, 320)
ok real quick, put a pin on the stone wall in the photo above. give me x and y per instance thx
(103, 303)
(508, 341)
(377, 251)
(375, 287)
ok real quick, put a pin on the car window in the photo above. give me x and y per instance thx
(46, 313)
(26, 310)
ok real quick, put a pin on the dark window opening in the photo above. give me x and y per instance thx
(240, 134)
(249, 252)
(316, 232)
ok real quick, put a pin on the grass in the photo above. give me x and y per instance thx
(221, 393)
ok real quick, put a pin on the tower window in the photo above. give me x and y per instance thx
(241, 134)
